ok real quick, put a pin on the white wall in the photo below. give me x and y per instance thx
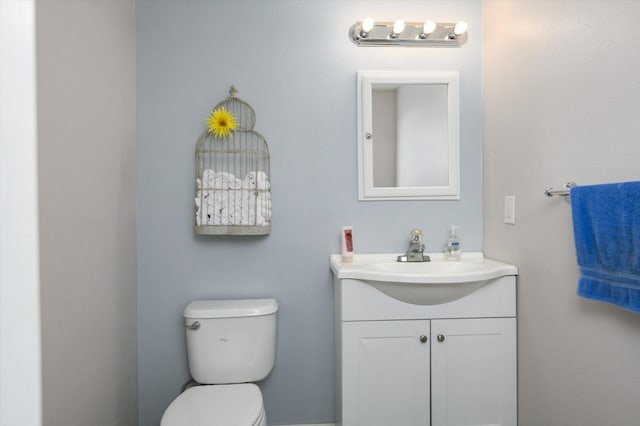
(426, 163)
(561, 102)
(20, 363)
(384, 111)
(86, 142)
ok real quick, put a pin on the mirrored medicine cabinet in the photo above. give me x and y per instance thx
(408, 135)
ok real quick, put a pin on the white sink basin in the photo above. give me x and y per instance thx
(422, 283)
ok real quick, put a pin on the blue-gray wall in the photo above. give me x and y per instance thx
(293, 62)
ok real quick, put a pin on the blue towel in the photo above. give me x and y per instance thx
(606, 228)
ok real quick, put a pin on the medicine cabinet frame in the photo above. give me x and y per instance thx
(366, 82)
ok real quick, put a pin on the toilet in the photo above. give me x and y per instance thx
(230, 344)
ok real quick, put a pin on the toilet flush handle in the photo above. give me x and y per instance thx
(193, 326)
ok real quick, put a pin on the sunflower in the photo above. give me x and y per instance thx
(221, 122)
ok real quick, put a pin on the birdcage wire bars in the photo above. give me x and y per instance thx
(232, 185)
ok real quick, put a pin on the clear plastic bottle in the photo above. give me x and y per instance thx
(453, 250)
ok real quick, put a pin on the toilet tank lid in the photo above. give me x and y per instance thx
(230, 308)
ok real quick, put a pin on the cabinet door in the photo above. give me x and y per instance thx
(385, 373)
(473, 372)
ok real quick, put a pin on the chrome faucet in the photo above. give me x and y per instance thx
(415, 252)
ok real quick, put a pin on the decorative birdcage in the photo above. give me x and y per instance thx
(233, 188)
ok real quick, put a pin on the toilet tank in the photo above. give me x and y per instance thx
(231, 341)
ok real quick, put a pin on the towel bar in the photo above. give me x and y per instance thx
(550, 192)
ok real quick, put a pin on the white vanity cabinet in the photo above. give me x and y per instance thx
(473, 372)
(404, 364)
(385, 373)
(454, 372)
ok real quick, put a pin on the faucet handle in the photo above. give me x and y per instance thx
(416, 236)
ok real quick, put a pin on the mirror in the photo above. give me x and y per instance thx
(408, 135)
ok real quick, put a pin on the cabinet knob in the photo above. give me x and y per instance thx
(423, 339)
(368, 136)
(440, 338)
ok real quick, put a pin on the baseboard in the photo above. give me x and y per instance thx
(318, 424)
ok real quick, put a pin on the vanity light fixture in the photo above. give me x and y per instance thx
(365, 28)
(398, 27)
(417, 34)
(427, 29)
(459, 29)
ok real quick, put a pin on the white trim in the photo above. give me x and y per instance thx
(20, 344)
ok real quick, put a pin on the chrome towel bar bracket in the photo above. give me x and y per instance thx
(564, 193)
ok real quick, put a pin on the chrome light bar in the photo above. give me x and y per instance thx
(411, 34)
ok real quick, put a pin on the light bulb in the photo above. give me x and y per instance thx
(367, 25)
(429, 27)
(398, 27)
(460, 28)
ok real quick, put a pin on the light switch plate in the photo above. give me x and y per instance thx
(510, 209)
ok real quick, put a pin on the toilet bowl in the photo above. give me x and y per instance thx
(217, 405)
(230, 343)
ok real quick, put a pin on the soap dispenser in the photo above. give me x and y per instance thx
(454, 246)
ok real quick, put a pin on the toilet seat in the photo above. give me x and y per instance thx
(217, 405)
